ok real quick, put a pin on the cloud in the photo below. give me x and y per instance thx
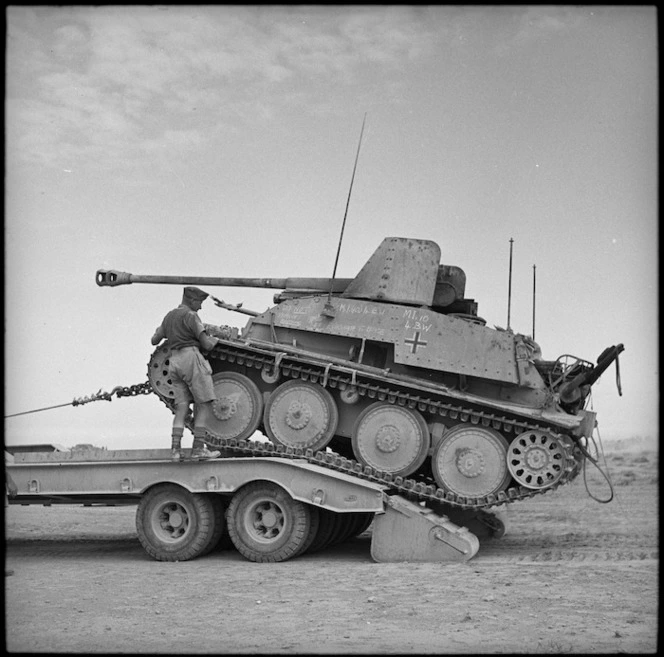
(538, 23)
(104, 80)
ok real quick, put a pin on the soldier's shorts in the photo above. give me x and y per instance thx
(191, 375)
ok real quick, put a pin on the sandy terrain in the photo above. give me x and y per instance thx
(571, 576)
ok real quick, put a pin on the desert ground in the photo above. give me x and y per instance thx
(571, 576)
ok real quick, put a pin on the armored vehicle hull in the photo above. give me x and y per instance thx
(393, 376)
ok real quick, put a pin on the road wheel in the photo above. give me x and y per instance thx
(391, 438)
(238, 407)
(301, 414)
(266, 524)
(176, 525)
(471, 461)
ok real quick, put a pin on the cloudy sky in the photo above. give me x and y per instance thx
(220, 141)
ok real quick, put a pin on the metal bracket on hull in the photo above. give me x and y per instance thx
(409, 532)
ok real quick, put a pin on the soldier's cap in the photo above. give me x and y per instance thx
(194, 293)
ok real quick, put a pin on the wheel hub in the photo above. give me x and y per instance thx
(536, 459)
(173, 521)
(388, 439)
(268, 521)
(224, 408)
(470, 462)
(176, 519)
(298, 415)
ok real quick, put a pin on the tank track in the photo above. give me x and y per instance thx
(382, 388)
(420, 491)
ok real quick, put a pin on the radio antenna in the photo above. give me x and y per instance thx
(534, 296)
(509, 287)
(329, 310)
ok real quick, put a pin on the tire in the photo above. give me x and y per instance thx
(326, 528)
(266, 524)
(314, 512)
(220, 535)
(352, 523)
(224, 542)
(363, 524)
(345, 523)
(176, 525)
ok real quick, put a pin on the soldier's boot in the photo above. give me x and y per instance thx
(200, 450)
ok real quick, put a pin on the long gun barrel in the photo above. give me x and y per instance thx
(113, 278)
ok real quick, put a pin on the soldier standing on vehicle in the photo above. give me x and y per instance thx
(190, 372)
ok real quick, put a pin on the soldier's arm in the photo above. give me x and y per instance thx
(207, 342)
(158, 336)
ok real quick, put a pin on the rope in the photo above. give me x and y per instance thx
(118, 391)
(38, 410)
(594, 461)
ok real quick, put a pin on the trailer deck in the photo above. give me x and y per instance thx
(272, 508)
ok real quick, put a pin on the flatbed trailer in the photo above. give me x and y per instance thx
(271, 508)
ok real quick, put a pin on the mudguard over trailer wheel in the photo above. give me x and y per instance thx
(176, 525)
(266, 524)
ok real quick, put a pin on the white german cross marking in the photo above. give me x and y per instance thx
(416, 342)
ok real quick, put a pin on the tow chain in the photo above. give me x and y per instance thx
(118, 391)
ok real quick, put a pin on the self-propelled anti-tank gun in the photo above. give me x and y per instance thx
(395, 369)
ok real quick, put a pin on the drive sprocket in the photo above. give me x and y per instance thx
(537, 459)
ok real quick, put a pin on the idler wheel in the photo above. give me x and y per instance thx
(391, 438)
(301, 415)
(159, 376)
(536, 459)
(237, 410)
(471, 461)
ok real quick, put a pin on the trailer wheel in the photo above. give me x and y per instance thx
(314, 513)
(326, 528)
(352, 523)
(363, 524)
(176, 525)
(266, 524)
(220, 534)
